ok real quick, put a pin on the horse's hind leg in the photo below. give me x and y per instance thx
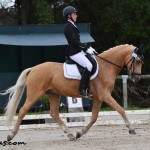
(31, 99)
(110, 101)
(54, 112)
(28, 104)
(95, 111)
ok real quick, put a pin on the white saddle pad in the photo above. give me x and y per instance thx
(71, 72)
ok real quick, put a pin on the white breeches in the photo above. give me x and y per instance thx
(81, 59)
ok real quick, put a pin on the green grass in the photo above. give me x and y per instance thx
(137, 108)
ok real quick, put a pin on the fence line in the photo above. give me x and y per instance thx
(125, 91)
(104, 118)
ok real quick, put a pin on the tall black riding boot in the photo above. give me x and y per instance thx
(84, 83)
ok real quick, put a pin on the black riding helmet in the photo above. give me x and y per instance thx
(68, 10)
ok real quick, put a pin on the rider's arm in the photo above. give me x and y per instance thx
(71, 37)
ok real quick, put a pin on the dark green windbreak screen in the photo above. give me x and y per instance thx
(56, 54)
(30, 56)
(16, 58)
(8, 59)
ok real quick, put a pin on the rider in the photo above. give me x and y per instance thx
(76, 50)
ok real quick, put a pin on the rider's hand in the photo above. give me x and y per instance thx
(91, 51)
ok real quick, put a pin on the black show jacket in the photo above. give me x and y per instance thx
(72, 35)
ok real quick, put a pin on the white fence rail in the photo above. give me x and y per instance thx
(104, 118)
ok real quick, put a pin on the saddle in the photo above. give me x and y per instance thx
(72, 70)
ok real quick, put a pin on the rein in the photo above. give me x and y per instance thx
(114, 63)
(110, 62)
(125, 69)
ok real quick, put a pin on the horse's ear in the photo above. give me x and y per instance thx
(138, 51)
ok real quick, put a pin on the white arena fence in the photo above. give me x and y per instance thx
(125, 91)
(104, 118)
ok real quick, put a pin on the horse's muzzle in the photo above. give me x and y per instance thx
(135, 77)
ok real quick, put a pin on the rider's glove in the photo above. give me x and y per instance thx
(91, 51)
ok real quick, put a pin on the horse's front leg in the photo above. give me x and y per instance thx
(95, 111)
(111, 102)
(54, 112)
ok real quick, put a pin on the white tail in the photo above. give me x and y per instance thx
(15, 93)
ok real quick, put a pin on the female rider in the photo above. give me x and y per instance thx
(76, 50)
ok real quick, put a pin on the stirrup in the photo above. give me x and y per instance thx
(85, 94)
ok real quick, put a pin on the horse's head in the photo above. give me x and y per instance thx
(134, 66)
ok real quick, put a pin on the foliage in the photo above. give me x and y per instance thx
(118, 22)
(138, 93)
(7, 16)
(46, 104)
(43, 12)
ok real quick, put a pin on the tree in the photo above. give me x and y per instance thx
(43, 12)
(34, 12)
(7, 14)
(118, 22)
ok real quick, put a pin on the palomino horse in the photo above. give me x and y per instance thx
(48, 78)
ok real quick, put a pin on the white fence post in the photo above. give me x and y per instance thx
(125, 91)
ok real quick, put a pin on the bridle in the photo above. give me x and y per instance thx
(132, 65)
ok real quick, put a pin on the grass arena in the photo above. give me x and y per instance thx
(109, 133)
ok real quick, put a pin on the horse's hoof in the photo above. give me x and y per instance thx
(71, 137)
(78, 135)
(9, 138)
(132, 132)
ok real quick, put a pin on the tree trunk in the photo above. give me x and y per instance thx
(24, 9)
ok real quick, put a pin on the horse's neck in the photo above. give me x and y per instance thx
(118, 54)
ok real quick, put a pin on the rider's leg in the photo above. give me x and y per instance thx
(84, 83)
(81, 59)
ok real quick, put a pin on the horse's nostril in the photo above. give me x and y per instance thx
(137, 78)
